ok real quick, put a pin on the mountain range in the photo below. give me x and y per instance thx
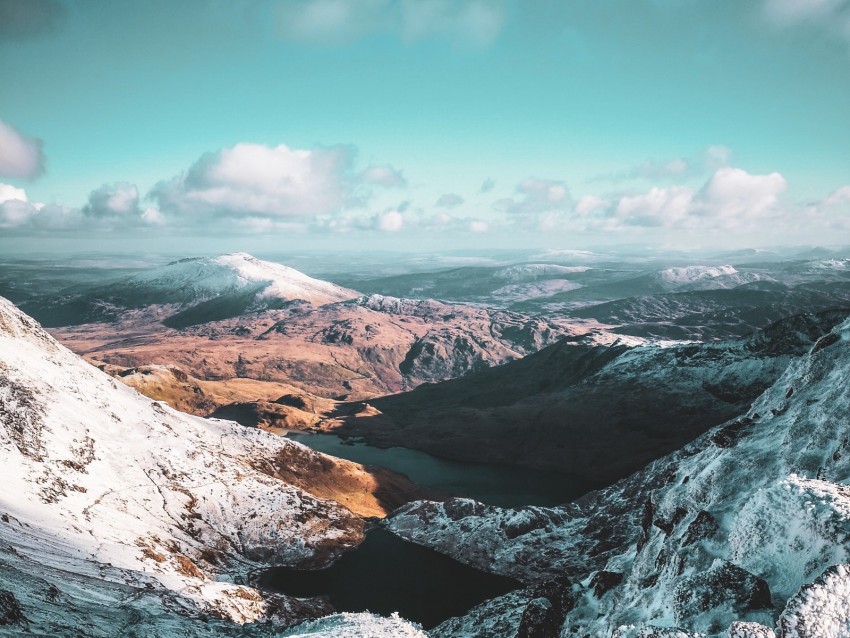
(722, 460)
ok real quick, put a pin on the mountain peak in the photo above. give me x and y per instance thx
(239, 272)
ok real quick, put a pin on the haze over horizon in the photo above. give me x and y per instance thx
(422, 124)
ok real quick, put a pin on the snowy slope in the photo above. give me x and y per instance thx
(533, 272)
(690, 274)
(750, 522)
(236, 272)
(830, 264)
(112, 501)
(706, 277)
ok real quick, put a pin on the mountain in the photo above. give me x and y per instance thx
(720, 313)
(122, 515)
(598, 411)
(707, 277)
(192, 291)
(357, 348)
(741, 533)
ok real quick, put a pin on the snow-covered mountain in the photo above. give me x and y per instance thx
(188, 292)
(238, 272)
(690, 274)
(740, 532)
(707, 277)
(831, 264)
(119, 514)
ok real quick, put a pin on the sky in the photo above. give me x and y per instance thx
(423, 124)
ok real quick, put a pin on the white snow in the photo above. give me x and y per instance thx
(235, 272)
(831, 264)
(822, 609)
(363, 625)
(100, 480)
(690, 274)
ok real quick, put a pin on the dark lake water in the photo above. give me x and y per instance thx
(386, 574)
(492, 484)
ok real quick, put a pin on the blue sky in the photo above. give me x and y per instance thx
(425, 123)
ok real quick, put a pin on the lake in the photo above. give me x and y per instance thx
(492, 484)
(385, 574)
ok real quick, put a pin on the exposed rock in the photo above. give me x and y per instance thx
(703, 527)
(10, 609)
(723, 585)
(604, 581)
(544, 614)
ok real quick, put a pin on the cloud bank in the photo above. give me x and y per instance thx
(20, 156)
(260, 189)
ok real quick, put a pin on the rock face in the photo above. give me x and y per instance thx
(750, 530)
(356, 349)
(121, 510)
(598, 411)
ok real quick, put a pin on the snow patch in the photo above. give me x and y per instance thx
(363, 625)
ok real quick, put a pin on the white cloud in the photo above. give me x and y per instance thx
(9, 193)
(657, 207)
(15, 213)
(477, 226)
(588, 204)
(730, 199)
(734, 195)
(113, 200)
(390, 221)
(20, 156)
(383, 176)
(838, 199)
(110, 207)
(25, 217)
(449, 200)
(253, 180)
(536, 196)
(464, 22)
(152, 215)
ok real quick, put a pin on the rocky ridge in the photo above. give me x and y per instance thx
(124, 512)
(741, 533)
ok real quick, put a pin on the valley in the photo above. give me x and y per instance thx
(576, 443)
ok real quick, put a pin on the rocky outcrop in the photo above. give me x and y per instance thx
(715, 538)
